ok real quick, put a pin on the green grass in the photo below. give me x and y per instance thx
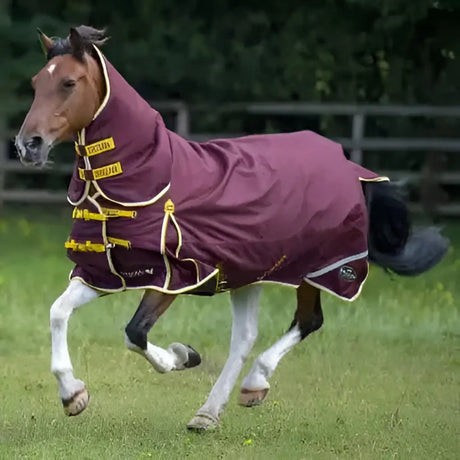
(379, 380)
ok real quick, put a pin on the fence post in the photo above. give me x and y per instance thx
(3, 158)
(183, 120)
(357, 137)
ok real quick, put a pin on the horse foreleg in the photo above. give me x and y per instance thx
(178, 356)
(72, 391)
(308, 318)
(245, 307)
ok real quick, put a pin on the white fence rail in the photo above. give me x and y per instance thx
(357, 142)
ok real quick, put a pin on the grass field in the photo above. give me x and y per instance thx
(381, 379)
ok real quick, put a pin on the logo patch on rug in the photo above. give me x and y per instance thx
(347, 273)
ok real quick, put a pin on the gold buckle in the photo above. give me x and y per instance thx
(169, 207)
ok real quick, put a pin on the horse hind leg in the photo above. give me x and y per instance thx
(245, 309)
(178, 356)
(308, 318)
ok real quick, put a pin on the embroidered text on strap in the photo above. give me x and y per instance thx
(113, 169)
(94, 149)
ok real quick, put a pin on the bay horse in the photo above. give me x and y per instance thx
(156, 212)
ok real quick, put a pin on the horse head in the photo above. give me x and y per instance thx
(68, 90)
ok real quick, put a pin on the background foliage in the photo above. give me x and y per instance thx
(200, 51)
(212, 54)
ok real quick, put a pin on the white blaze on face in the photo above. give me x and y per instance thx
(51, 68)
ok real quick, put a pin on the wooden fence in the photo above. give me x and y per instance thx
(357, 142)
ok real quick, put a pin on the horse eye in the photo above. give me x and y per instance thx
(69, 83)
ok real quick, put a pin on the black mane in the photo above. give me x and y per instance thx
(89, 35)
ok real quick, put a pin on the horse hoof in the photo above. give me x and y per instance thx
(77, 403)
(187, 356)
(203, 422)
(250, 398)
(194, 358)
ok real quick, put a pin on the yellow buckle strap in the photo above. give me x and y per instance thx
(94, 149)
(87, 215)
(87, 246)
(119, 242)
(106, 214)
(119, 213)
(113, 169)
(84, 247)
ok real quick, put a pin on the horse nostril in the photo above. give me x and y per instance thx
(34, 143)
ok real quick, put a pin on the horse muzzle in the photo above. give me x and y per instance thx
(33, 151)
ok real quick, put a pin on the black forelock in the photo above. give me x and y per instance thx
(61, 46)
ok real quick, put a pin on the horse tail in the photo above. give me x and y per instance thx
(393, 243)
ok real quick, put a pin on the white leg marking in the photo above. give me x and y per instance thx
(75, 295)
(265, 364)
(245, 306)
(172, 359)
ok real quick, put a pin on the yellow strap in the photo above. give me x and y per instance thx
(94, 149)
(96, 247)
(113, 169)
(119, 242)
(106, 214)
(119, 213)
(84, 247)
(87, 215)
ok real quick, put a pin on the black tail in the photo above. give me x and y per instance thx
(393, 243)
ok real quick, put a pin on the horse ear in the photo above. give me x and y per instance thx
(77, 44)
(45, 42)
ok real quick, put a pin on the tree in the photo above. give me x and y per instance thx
(216, 52)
